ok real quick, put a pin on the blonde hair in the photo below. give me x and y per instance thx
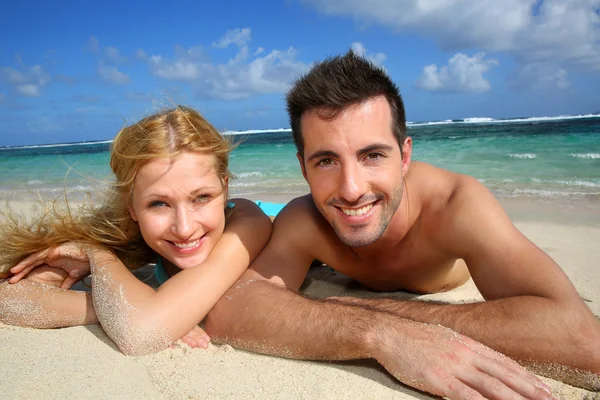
(163, 135)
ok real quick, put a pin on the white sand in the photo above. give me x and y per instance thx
(82, 362)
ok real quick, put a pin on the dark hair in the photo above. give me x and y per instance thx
(339, 82)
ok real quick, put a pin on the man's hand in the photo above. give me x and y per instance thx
(442, 362)
(70, 257)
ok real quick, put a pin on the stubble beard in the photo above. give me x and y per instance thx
(363, 236)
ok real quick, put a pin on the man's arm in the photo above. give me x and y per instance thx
(532, 311)
(262, 313)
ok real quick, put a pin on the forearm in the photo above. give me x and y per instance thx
(119, 299)
(141, 320)
(36, 305)
(526, 328)
(265, 318)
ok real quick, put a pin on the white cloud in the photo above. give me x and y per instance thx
(564, 34)
(239, 78)
(34, 74)
(238, 36)
(113, 75)
(13, 76)
(93, 44)
(452, 23)
(28, 90)
(539, 77)
(361, 50)
(178, 70)
(114, 55)
(27, 81)
(140, 54)
(462, 74)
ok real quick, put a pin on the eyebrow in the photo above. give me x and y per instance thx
(191, 194)
(364, 150)
(373, 147)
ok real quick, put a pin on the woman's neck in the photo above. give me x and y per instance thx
(170, 268)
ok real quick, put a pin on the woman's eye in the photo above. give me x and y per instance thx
(203, 198)
(157, 203)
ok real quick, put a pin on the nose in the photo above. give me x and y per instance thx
(353, 184)
(183, 223)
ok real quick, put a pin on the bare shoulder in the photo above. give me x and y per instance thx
(247, 216)
(452, 202)
(245, 207)
(294, 243)
(435, 188)
(300, 222)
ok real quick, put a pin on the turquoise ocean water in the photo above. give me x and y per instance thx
(555, 158)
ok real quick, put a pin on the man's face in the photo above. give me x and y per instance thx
(354, 168)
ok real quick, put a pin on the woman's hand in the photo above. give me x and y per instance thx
(196, 338)
(70, 257)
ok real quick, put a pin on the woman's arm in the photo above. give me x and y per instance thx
(38, 302)
(141, 320)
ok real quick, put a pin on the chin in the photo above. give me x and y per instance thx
(192, 262)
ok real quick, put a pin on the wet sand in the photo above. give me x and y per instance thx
(82, 362)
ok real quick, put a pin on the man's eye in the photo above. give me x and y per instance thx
(374, 156)
(325, 162)
(157, 203)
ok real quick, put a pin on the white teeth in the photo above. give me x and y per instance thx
(187, 245)
(357, 212)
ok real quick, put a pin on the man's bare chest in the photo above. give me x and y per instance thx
(417, 268)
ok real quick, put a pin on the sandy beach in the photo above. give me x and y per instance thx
(82, 362)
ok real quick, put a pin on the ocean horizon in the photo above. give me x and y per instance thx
(551, 158)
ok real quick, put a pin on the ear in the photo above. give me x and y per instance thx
(406, 155)
(301, 161)
(132, 213)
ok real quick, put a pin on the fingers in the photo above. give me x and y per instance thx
(457, 390)
(68, 282)
(491, 388)
(518, 380)
(35, 257)
(24, 267)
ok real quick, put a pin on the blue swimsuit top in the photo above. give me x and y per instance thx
(271, 209)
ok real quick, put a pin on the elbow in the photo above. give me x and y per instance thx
(585, 341)
(220, 324)
(138, 337)
(589, 342)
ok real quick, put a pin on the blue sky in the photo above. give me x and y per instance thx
(77, 70)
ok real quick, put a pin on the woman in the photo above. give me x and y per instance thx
(170, 206)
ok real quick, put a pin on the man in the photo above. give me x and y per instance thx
(395, 225)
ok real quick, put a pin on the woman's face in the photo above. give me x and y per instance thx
(179, 204)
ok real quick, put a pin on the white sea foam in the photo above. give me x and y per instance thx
(43, 146)
(568, 182)
(528, 156)
(252, 131)
(488, 120)
(478, 120)
(593, 156)
(249, 174)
